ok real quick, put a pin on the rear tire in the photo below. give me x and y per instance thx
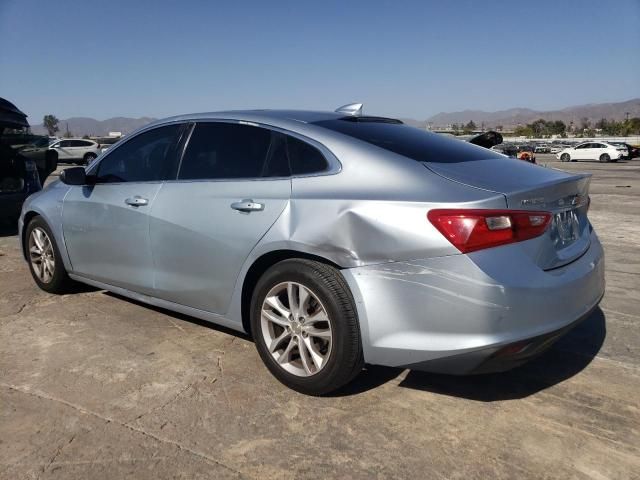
(605, 158)
(565, 157)
(319, 291)
(45, 262)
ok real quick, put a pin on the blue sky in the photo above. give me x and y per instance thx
(401, 58)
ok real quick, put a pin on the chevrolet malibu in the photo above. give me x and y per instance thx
(333, 238)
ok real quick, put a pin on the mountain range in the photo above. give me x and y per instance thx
(514, 116)
(79, 126)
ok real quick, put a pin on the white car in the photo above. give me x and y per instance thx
(76, 150)
(602, 151)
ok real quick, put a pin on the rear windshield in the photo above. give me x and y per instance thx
(410, 142)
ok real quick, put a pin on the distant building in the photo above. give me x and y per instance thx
(115, 134)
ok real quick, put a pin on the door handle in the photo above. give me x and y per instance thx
(136, 201)
(247, 205)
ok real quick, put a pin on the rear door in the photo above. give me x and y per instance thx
(106, 224)
(599, 149)
(233, 184)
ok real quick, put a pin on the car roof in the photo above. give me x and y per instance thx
(74, 138)
(259, 115)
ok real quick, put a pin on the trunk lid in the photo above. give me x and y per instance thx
(526, 186)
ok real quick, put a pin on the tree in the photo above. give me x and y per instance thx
(50, 122)
(471, 126)
(585, 124)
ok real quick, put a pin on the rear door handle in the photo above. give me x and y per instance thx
(136, 201)
(248, 205)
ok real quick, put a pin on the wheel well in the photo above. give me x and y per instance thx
(27, 218)
(261, 265)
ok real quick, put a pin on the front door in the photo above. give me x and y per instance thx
(233, 184)
(106, 223)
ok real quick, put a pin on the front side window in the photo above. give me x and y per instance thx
(149, 156)
(230, 150)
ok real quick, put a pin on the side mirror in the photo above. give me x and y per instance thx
(74, 176)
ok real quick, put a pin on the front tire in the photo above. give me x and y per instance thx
(45, 262)
(305, 326)
(89, 157)
(605, 158)
(565, 157)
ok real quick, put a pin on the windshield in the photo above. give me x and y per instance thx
(41, 142)
(413, 143)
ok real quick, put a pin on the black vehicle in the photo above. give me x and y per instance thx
(18, 174)
(632, 152)
(38, 150)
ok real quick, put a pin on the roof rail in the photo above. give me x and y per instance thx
(354, 109)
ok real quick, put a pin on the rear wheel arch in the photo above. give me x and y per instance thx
(259, 267)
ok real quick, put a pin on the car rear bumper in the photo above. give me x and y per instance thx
(454, 314)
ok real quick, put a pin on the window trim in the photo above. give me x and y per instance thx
(333, 164)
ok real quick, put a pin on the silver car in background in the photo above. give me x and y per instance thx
(334, 239)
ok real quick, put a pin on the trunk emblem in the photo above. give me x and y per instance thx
(532, 201)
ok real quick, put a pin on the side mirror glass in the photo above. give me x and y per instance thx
(74, 176)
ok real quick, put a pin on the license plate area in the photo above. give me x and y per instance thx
(565, 227)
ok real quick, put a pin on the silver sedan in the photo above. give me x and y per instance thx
(333, 238)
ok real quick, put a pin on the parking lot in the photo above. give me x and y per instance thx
(93, 385)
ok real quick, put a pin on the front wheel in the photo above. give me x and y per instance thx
(305, 326)
(565, 157)
(604, 158)
(44, 258)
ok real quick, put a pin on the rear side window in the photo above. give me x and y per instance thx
(409, 142)
(149, 156)
(230, 150)
(304, 158)
(225, 150)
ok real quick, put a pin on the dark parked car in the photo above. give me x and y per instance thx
(632, 152)
(38, 151)
(18, 174)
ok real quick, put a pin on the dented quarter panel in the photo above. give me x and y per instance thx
(421, 310)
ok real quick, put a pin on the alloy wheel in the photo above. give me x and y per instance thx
(296, 329)
(41, 255)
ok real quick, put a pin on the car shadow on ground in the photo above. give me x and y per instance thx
(570, 355)
(181, 316)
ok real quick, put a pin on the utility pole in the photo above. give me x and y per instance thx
(627, 114)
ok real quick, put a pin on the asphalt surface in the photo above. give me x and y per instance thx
(96, 386)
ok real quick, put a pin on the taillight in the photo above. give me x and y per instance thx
(471, 230)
